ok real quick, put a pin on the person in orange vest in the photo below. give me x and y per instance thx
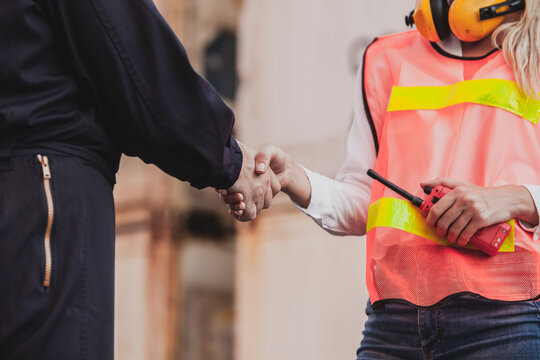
(456, 100)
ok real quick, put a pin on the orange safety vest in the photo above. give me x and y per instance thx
(440, 116)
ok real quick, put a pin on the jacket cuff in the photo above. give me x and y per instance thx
(232, 165)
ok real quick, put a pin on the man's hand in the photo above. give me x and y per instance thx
(252, 192)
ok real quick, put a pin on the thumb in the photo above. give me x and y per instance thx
(263, 158)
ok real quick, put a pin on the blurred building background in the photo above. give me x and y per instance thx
(191, 283)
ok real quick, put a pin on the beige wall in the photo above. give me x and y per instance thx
(174, 290)
(300, 292)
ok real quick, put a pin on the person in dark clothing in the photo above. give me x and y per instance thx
(82, 82)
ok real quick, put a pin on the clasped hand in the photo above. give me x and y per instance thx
(271, 162)
(253, 191)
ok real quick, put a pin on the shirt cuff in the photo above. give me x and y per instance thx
(318, 205)
(534, 190)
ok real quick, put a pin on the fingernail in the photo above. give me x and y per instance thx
(260, 167)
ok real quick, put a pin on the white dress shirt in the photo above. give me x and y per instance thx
(340, 205)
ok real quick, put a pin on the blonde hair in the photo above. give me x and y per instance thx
(520, 43)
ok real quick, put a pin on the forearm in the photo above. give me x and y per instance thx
(511, 202)
(338, 206)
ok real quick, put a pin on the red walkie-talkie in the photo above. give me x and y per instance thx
(489, 239)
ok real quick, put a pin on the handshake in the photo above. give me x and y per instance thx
(262, 177)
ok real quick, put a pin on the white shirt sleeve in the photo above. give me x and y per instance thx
(341, 206)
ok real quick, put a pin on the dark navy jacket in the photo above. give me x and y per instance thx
(97, 78)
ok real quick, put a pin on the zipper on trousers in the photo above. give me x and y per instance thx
(44, 161)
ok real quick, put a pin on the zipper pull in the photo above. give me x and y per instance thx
(45, 166)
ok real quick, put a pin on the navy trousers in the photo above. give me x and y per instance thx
(70, 317)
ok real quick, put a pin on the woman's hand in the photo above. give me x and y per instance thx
(271, 157)
(291, 176)
(469, 208)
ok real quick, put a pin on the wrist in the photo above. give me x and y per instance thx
(525, 208)
(298, 186)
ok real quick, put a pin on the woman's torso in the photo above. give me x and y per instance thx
(465, 140)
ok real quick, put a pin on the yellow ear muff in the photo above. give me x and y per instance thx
(464, 19)
(423, 19)
(431, 19)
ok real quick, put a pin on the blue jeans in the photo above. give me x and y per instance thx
(464, 327)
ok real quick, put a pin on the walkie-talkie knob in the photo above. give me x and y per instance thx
(428, 190)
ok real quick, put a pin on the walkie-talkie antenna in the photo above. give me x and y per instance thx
(415, 200)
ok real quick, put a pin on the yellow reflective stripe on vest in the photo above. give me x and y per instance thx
(402, 215)
(503, 94)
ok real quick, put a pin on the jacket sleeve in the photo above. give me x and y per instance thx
(146, 94)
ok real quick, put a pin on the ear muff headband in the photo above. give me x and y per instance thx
(469, 20)
(501, 9)
(440, 10)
